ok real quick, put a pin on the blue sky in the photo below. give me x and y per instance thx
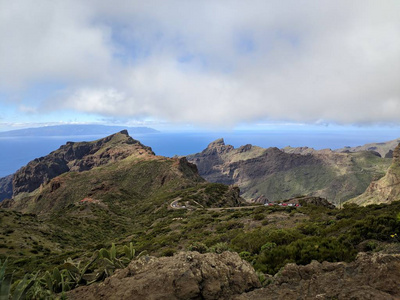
(194, 65)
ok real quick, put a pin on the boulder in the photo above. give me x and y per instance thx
(186, 275)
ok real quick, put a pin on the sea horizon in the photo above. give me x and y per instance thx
(15, 152)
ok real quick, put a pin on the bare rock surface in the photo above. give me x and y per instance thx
(371, 276)
(187, 275)
(6, 187)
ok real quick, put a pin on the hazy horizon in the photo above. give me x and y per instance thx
(18, 151)
(157, 64)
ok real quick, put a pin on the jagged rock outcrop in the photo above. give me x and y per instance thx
(386, 189)
(187, 275)
(371, 276)
(285, 173)
(81, 156)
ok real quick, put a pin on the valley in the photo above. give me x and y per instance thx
(70, 206)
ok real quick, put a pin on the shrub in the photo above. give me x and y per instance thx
(258, 217)
(198, 246)
(219, 248)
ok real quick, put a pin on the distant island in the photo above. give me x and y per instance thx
(74, 130)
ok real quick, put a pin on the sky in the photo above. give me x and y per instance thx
(200, 64)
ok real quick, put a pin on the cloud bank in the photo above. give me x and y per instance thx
(207, 62)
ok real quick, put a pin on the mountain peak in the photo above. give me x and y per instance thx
(124, 132)
(217, 143)
(77, 156)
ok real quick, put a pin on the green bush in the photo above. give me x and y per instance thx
(198, 246)
(258, 217)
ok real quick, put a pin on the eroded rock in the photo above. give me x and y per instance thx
(371, 276)
(187, 275)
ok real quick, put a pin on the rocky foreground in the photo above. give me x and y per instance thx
(191, 275)
(187, 275)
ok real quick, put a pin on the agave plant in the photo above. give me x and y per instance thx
(5, 282)
(20, 288)
(110, 260)
(79, 275)
(56, 281)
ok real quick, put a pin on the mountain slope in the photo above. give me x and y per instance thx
(386, 189)
(109, 189)
(385, 149)
(115, 167)
(72, 157)
(280, 174)
(79, 157)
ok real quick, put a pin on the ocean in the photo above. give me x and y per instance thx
(16, 152)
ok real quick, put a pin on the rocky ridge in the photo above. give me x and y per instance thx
(386, 189)
(278, 174)
(385, 149)
(78, 157)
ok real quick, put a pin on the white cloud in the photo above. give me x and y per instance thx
(210, 62)
(27, 109)
(50, 41)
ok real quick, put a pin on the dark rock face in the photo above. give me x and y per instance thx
(187, 275)
(6, 187)
(211, 157)
(372, 276)
(389, 154)
(78, 157)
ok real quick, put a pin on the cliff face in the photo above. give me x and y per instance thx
(6, 187)
(278, 174)
(79, 157)
(386, 189)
